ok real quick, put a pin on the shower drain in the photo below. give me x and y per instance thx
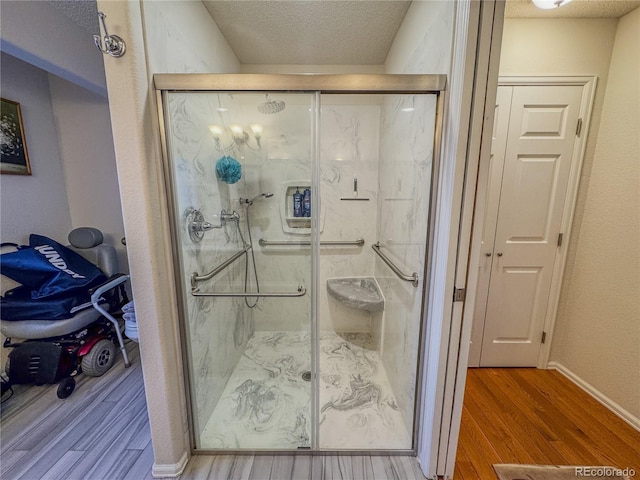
(306, 376)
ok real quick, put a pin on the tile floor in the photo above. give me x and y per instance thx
(267, 402)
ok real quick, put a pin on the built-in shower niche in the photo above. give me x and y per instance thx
(291, 223)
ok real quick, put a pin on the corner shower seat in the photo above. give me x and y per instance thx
(357, 292)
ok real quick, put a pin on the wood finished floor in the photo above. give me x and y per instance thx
(302, 467)
(101, 432)
(525, 415)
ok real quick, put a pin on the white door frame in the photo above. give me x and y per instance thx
(483, 84)
(476, 42)
(588, 84)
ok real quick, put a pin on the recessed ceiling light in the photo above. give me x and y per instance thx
(222, 109)
(407, 109)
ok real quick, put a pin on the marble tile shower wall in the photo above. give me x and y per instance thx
(218, 328)
(349, 144)
(348, 150)
(406, 147)
(285, 158)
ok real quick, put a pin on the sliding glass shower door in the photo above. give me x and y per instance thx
(301, 219)
(376, 160)
(240, 165)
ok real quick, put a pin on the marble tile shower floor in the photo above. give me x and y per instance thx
(266, 403)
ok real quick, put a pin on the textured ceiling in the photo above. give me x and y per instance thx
(329, 32)
(321, 32)
(575, 9)
(82, 12)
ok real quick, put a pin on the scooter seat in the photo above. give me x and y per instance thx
(39, 329)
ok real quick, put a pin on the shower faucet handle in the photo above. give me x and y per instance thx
(197, 225)
(204, 226)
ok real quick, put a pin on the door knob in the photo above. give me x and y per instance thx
(499, 254)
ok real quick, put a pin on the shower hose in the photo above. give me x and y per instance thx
(246, 263)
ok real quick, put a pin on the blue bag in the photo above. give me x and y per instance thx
(53, 279)
(17, 304)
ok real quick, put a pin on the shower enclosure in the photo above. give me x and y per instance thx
(301, 209)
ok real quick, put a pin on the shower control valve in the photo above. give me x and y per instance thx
(197, 225)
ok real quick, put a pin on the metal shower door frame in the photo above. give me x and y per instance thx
(318, 84)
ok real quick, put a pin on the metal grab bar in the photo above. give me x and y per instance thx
(300, 293)
(413, 278)
(195, 277)
(285, 243)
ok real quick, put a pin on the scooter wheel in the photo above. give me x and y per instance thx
(66, 387)
(99, 359)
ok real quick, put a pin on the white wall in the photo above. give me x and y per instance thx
(37, 203)
(423, 43)
(42, 36)
(39, 34)
(86, 146)
(597, 333)
(182, 38)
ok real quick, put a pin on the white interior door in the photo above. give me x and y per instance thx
(536, 166)
(492, 202)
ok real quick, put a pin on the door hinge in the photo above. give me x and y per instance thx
(459, 294)
(560, 236)
(579, 127)
(544, 337)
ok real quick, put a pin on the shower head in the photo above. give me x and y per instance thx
(271, 106)
(248, 202)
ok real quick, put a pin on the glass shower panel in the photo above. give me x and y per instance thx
(240, 166)
(376, 154)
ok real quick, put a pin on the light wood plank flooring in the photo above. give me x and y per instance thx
(302, 467)
(101, 432)
(525, 415)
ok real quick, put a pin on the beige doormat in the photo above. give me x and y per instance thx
(554, 472)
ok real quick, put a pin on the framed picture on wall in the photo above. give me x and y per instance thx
(15, 159)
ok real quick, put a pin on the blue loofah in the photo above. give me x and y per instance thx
(228, 169)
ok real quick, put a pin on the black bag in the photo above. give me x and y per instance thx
(37, 362)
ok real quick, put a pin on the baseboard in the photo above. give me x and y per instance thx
(170, 470)
(597, 394)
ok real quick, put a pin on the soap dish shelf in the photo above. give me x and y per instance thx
(298, 222)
